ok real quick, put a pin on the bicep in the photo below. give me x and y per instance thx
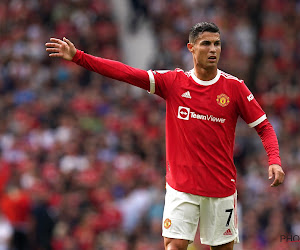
(248, 107)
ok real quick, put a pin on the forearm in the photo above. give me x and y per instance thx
(113, 69)
(270, 142)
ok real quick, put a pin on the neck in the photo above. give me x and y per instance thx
(205, 74)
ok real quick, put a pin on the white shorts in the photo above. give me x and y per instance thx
(217, 217)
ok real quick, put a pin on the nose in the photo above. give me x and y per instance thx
(212, 48)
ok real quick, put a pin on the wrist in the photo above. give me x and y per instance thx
(76, 56)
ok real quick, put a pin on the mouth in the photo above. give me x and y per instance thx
(212, 58)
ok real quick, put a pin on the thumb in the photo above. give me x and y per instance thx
(270, 173)
(67, 41)
(71, 49)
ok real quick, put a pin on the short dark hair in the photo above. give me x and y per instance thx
(199, 28)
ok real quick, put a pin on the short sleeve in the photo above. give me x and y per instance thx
(249, 109)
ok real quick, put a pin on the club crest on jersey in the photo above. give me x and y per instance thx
(223, 100)
(167, 223)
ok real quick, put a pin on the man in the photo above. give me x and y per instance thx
(203, 106)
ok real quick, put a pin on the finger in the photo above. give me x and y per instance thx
(278, 179)
(270, 173)
(56, 40)
(67, 41)
(53, 45)
(56, 55)
(53, 50)
(281, 177)
(275, 183)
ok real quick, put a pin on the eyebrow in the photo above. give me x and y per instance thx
(205, 41)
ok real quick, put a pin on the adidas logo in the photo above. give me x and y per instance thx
(227, 232)
(187, 95)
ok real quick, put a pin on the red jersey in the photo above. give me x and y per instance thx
(201, 117)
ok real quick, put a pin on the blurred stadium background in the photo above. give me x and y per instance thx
(82, 157)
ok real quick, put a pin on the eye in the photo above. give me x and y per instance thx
(206, 43)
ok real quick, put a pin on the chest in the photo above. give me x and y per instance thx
(217, 100)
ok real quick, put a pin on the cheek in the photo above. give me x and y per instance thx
(202, 54)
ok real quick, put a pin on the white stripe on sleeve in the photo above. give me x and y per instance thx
(258, 121)
(152, 82)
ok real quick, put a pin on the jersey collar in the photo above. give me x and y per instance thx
(205, 83)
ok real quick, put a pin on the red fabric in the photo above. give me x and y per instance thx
(200, 130)
(109, 217)
(270, 142)
(200, 122)
(16, 206)
(113, 69)
(5, 173)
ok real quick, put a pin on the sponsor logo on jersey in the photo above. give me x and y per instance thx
(250, 97)
(223, 100)
(187, 95)
(185, 113)
(227, 232)
(167, 223)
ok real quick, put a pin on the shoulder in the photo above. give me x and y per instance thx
(171, 74)
(230, 78)
(168, 71)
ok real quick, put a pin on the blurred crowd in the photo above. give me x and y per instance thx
(82, 160)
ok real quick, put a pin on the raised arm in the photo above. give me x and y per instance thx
(61, 48)
(113, 69)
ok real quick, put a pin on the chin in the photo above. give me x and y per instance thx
(211, 66)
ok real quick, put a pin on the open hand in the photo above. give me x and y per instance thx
(61, 48)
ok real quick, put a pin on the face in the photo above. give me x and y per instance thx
(206, 50)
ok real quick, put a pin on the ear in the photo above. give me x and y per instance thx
(190, 47)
